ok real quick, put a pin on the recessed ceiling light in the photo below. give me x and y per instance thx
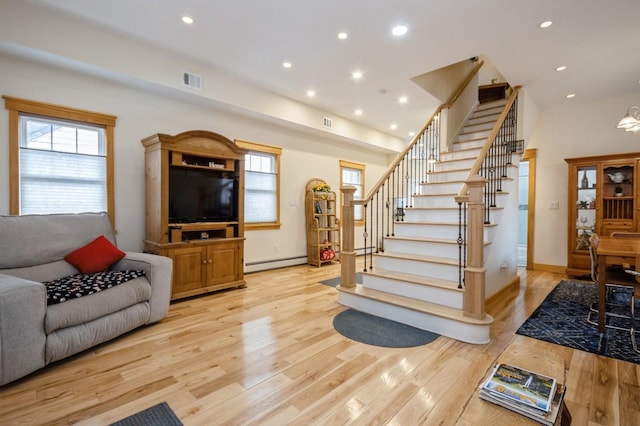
(187, 20)
(403, 99)
(412, 134)
(561, 68)
(546, 24)
(342, 35)
(311, 93)
(571, 95)
(356, 75)
(399, 30)
(358, 112)
(393, 126)
(286, 64)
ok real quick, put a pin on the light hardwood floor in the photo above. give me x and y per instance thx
(268, 355)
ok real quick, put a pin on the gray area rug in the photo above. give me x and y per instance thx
(333, 282)
(376, 331)
(157, 415)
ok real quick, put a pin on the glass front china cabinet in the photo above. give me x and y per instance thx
(602, 199)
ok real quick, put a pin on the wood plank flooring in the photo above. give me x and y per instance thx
(268, 355)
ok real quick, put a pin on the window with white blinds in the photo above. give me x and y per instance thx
(352, 174)
(60, 159)
(261, 186)
(63, 167)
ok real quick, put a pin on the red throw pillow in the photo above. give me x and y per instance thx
(96, 256)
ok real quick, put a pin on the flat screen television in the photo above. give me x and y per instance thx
(202, 196)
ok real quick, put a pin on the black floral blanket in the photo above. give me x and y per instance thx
(75, 286)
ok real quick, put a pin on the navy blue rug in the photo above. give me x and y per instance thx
(376, 331)
(335, 281)
(562, 319)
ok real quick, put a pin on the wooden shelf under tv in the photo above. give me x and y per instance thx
(206, 256)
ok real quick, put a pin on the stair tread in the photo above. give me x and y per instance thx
(427, 240)
(415, 279)
(445, 208)
(420, 258)
(437, 223)
(416, 305)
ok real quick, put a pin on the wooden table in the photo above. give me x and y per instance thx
(612, 251)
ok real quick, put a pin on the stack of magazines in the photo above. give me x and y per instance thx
(531, 394)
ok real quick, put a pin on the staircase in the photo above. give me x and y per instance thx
(415, 279)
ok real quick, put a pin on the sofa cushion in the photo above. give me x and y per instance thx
(96, 256)
(37, 239)
(78, 285)
(97, 305)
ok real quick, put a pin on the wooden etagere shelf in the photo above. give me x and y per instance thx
(323, 225)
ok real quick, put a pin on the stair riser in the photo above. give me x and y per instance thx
(447, 164)
(441, 188)
(447, 176)
(416, 267)
(483, 117)
(482, 126)
(426, 248)
(460, 155)
(476, 143)
(425, 230)
(447, 297)
(436, 201)
(474, 135)
(431, 215)
(469, 333)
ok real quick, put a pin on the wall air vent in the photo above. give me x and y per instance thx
(327, 123)
(192, 80)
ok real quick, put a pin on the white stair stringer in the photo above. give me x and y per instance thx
(443, 320)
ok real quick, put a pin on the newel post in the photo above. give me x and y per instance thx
(474, 273)
(347, 250)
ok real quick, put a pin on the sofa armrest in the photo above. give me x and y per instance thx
(23, 305)
(159, 272)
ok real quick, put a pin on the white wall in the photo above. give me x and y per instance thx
(140, 114)
(573, 130)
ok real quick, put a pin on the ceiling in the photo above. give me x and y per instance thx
(598, 43)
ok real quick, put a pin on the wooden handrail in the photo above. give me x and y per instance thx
(494, 132)
(398, 159)
(409, 146)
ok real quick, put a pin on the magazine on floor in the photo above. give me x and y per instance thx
(527, 389)
(546, 418)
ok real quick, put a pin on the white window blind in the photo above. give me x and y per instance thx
(353, 177)
(261, 187)
(63, 167)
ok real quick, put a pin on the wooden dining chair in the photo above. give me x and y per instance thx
(621, 280)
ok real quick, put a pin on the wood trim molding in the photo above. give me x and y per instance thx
(530, 156)
(273, 150)
(16, 106)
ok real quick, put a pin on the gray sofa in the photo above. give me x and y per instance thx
(33, 333)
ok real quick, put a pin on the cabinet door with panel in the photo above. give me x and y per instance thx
(223, 262)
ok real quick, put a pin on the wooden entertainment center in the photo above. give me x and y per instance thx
(195, 209)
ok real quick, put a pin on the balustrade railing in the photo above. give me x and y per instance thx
(385, 205)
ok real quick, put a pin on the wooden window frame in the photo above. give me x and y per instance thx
(277, 152)
(17, 106)
(358, 166)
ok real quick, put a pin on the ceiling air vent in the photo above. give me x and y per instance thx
(327, 123)
(192, 80)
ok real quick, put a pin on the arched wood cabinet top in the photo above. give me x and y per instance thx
(197, 142)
